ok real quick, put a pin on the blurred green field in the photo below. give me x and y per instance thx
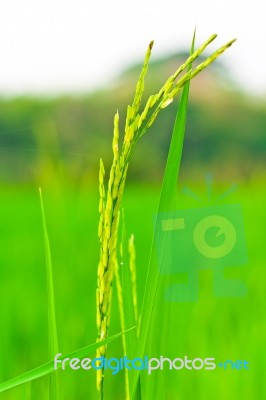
(211, 327)
(56, 143)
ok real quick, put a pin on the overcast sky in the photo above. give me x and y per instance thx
(65, 45)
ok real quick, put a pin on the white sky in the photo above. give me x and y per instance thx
(65, 45)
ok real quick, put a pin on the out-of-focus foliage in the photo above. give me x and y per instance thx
(225, 127)
(56, 143)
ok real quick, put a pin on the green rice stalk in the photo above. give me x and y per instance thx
(119, 267)
(136, 125)
(133, 274)
(122, 323)
(120, 298)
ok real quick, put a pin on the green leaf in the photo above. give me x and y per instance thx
(166, 203)
(125, 300)
(52, 327)
(48, 368)
(131, 339)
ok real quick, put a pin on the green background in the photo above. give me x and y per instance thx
(56, 144)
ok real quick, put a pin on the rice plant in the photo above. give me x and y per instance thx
(138, 121)
(137, 124)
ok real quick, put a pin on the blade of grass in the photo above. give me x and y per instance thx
(132, 306)
(131, 339)
(48, 368)
(52, 327)
(133, 275)
(126, 298)
(120, 296)
(166, 203)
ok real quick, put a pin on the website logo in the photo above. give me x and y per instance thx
(202, 238)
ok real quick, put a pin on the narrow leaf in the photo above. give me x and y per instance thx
(166, 203)
(52, 328)
(48, 368)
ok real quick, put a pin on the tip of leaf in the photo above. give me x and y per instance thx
(151, 44)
